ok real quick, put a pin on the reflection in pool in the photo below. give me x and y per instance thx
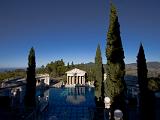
(75, 99)
(70, 104)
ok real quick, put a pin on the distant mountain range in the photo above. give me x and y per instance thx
(153, 69)
(10, 69)
(131, 69)
(6, 69)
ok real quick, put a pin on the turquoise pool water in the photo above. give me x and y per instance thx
(70, 104)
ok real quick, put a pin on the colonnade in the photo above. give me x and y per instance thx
(75, 80)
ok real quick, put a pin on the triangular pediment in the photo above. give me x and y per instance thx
(76, 70)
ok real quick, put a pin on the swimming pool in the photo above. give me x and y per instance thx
(70, 104)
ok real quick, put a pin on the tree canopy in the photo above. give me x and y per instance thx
(146, 96)
(56, 68)
(115, 84)
(115, 58)
(30, 100)
(98, 73)
(142, 70)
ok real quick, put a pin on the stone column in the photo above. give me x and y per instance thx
(76, 79)
(67, 80)
(81, 80)
(84, 80)
(71, 80)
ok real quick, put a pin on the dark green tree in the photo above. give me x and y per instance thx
(146, 97)
(72, 65)
(98, 73)
(115, 84)
(30, 100)
(41, 70)
(68, 66)
(142, 71)
(60, 67)
(50, 68)
(56, 68)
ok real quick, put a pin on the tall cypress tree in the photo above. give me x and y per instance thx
(72, 65)
(30, 100)
(115, 85)
(142, 71)
(146, 97)
(68, 66)
(98, 73)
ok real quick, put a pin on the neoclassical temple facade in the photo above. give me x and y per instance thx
(76, 76)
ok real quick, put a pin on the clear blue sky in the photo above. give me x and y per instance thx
(71, 29)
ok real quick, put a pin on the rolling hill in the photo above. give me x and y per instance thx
(153, 69)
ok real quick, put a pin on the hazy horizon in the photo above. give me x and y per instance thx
(24, 67)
